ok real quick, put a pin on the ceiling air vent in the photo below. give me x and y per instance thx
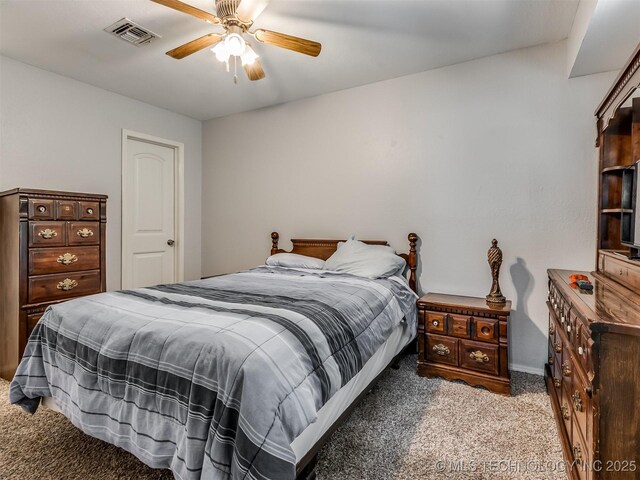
(131, 32)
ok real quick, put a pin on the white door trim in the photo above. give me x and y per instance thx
(179, 196)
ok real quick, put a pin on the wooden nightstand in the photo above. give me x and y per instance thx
(464, 338)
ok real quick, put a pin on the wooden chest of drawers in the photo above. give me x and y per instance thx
(463, 338)
(52, 248)
(593, 376)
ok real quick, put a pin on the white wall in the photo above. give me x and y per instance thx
(498, 147)
(61, 134)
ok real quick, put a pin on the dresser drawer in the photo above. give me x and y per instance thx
(83, 233)
(558, 347)
(436, 322)
(442, 349)
(41, 209)
(32, 320)
(44, 261)
(552, 326)
(460, 326)
(566, 372)
(621, 273)
(48, 288)
(47, 234)
(486, 330)
(582, 459)
(66, 210)
(583, 352)
(556, 372)
(88, 211)
(566, 412)
(479, 356)
(581, 404)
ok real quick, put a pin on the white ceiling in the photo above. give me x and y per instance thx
(611, 37)
(363, 41)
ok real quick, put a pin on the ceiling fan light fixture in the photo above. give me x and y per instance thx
(249, 56)
(235, 44)
(222, 52)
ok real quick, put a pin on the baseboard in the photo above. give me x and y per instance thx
(526, 369)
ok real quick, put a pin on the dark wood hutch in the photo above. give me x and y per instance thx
(593, 369)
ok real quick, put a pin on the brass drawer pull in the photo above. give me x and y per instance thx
(67, 284)
(67, 259)
(577, 401)
(47, 233)
(566, 370)
(435, 323)
(440, 349)
(479, 356)
(85, 233)
(565, 411)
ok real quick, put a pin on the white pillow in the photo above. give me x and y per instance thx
(370, 261)
(293, 260)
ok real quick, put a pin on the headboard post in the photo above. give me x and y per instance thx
(275, 236)
(413, 260)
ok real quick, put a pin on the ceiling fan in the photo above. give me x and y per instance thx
(237, 17)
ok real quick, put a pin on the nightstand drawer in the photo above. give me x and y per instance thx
(486, 330)
(479, 356)
(436, 322)
(465, 338)
(442, 350)
(460, 326)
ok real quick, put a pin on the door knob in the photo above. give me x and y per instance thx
(171, 243)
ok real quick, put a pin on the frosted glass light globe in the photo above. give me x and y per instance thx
(221, 51)
(249, 56)
(235, 44)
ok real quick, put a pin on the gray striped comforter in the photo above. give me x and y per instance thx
(213, 378)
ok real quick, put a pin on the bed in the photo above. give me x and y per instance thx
(238, 376)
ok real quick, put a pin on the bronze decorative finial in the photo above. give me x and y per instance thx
(494, 256)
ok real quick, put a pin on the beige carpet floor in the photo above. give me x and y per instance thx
(407, 428)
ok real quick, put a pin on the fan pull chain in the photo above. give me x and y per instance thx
(235, 69)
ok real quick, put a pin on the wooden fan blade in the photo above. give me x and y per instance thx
(189, 10)
(248, 10)
(195, 45)
(300, 45)
(254, 71)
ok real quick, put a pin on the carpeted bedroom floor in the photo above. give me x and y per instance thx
(407, 428)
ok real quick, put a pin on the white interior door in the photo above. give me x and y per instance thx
(150, 240)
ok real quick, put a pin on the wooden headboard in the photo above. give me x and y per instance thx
(323, 249)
